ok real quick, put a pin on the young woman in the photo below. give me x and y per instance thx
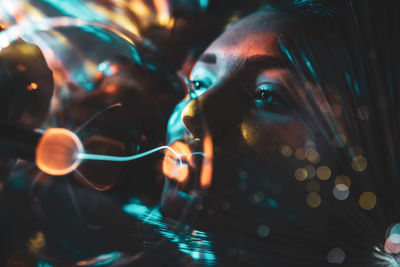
(287, 95)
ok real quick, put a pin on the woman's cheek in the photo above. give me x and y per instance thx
(265, 133)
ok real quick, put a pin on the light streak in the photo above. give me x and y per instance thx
(206, 171)
(46, 24)
(84, 156)
(98, 114)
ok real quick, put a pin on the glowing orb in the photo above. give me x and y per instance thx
(57, 151)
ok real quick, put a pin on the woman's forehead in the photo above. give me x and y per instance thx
(252, 35)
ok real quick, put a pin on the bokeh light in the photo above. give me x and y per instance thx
(367, 200)
(313, 200)
(323, 172)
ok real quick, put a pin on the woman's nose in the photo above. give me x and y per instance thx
(217, 111)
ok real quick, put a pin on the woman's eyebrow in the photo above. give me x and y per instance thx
(208, 58)
(264, 62)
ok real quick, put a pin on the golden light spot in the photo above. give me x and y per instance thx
(313, 186)
(339, 140)
(312, 155)
(367, 200)
(317, 160)
(355, 151)
(300, 174)
(286, 151)
(36, 244)
(140, 8)
(300, 153)
(363, 113)
(32, 86)
(323, 172)
(313, 200)
(359, 163)
(343, 179)
(310, 171)
(163, 14)
(336, 110)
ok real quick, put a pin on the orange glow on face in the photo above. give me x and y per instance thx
(57, 151)
(32, 86)
(163, 14)
(172, 168)
(206, 171)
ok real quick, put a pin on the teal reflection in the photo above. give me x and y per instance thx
(75, 8)
(194, 243)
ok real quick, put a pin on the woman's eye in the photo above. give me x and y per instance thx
(267, 93)
(198, 88)
(199, 85)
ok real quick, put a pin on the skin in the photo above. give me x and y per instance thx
(245, 98)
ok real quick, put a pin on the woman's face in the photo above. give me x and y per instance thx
(242, 96)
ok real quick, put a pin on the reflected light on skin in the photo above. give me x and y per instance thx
(163, 14)
(173, 168)
(206, 171)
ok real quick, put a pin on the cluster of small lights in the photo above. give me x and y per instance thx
(308, 152)
(392, 243)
